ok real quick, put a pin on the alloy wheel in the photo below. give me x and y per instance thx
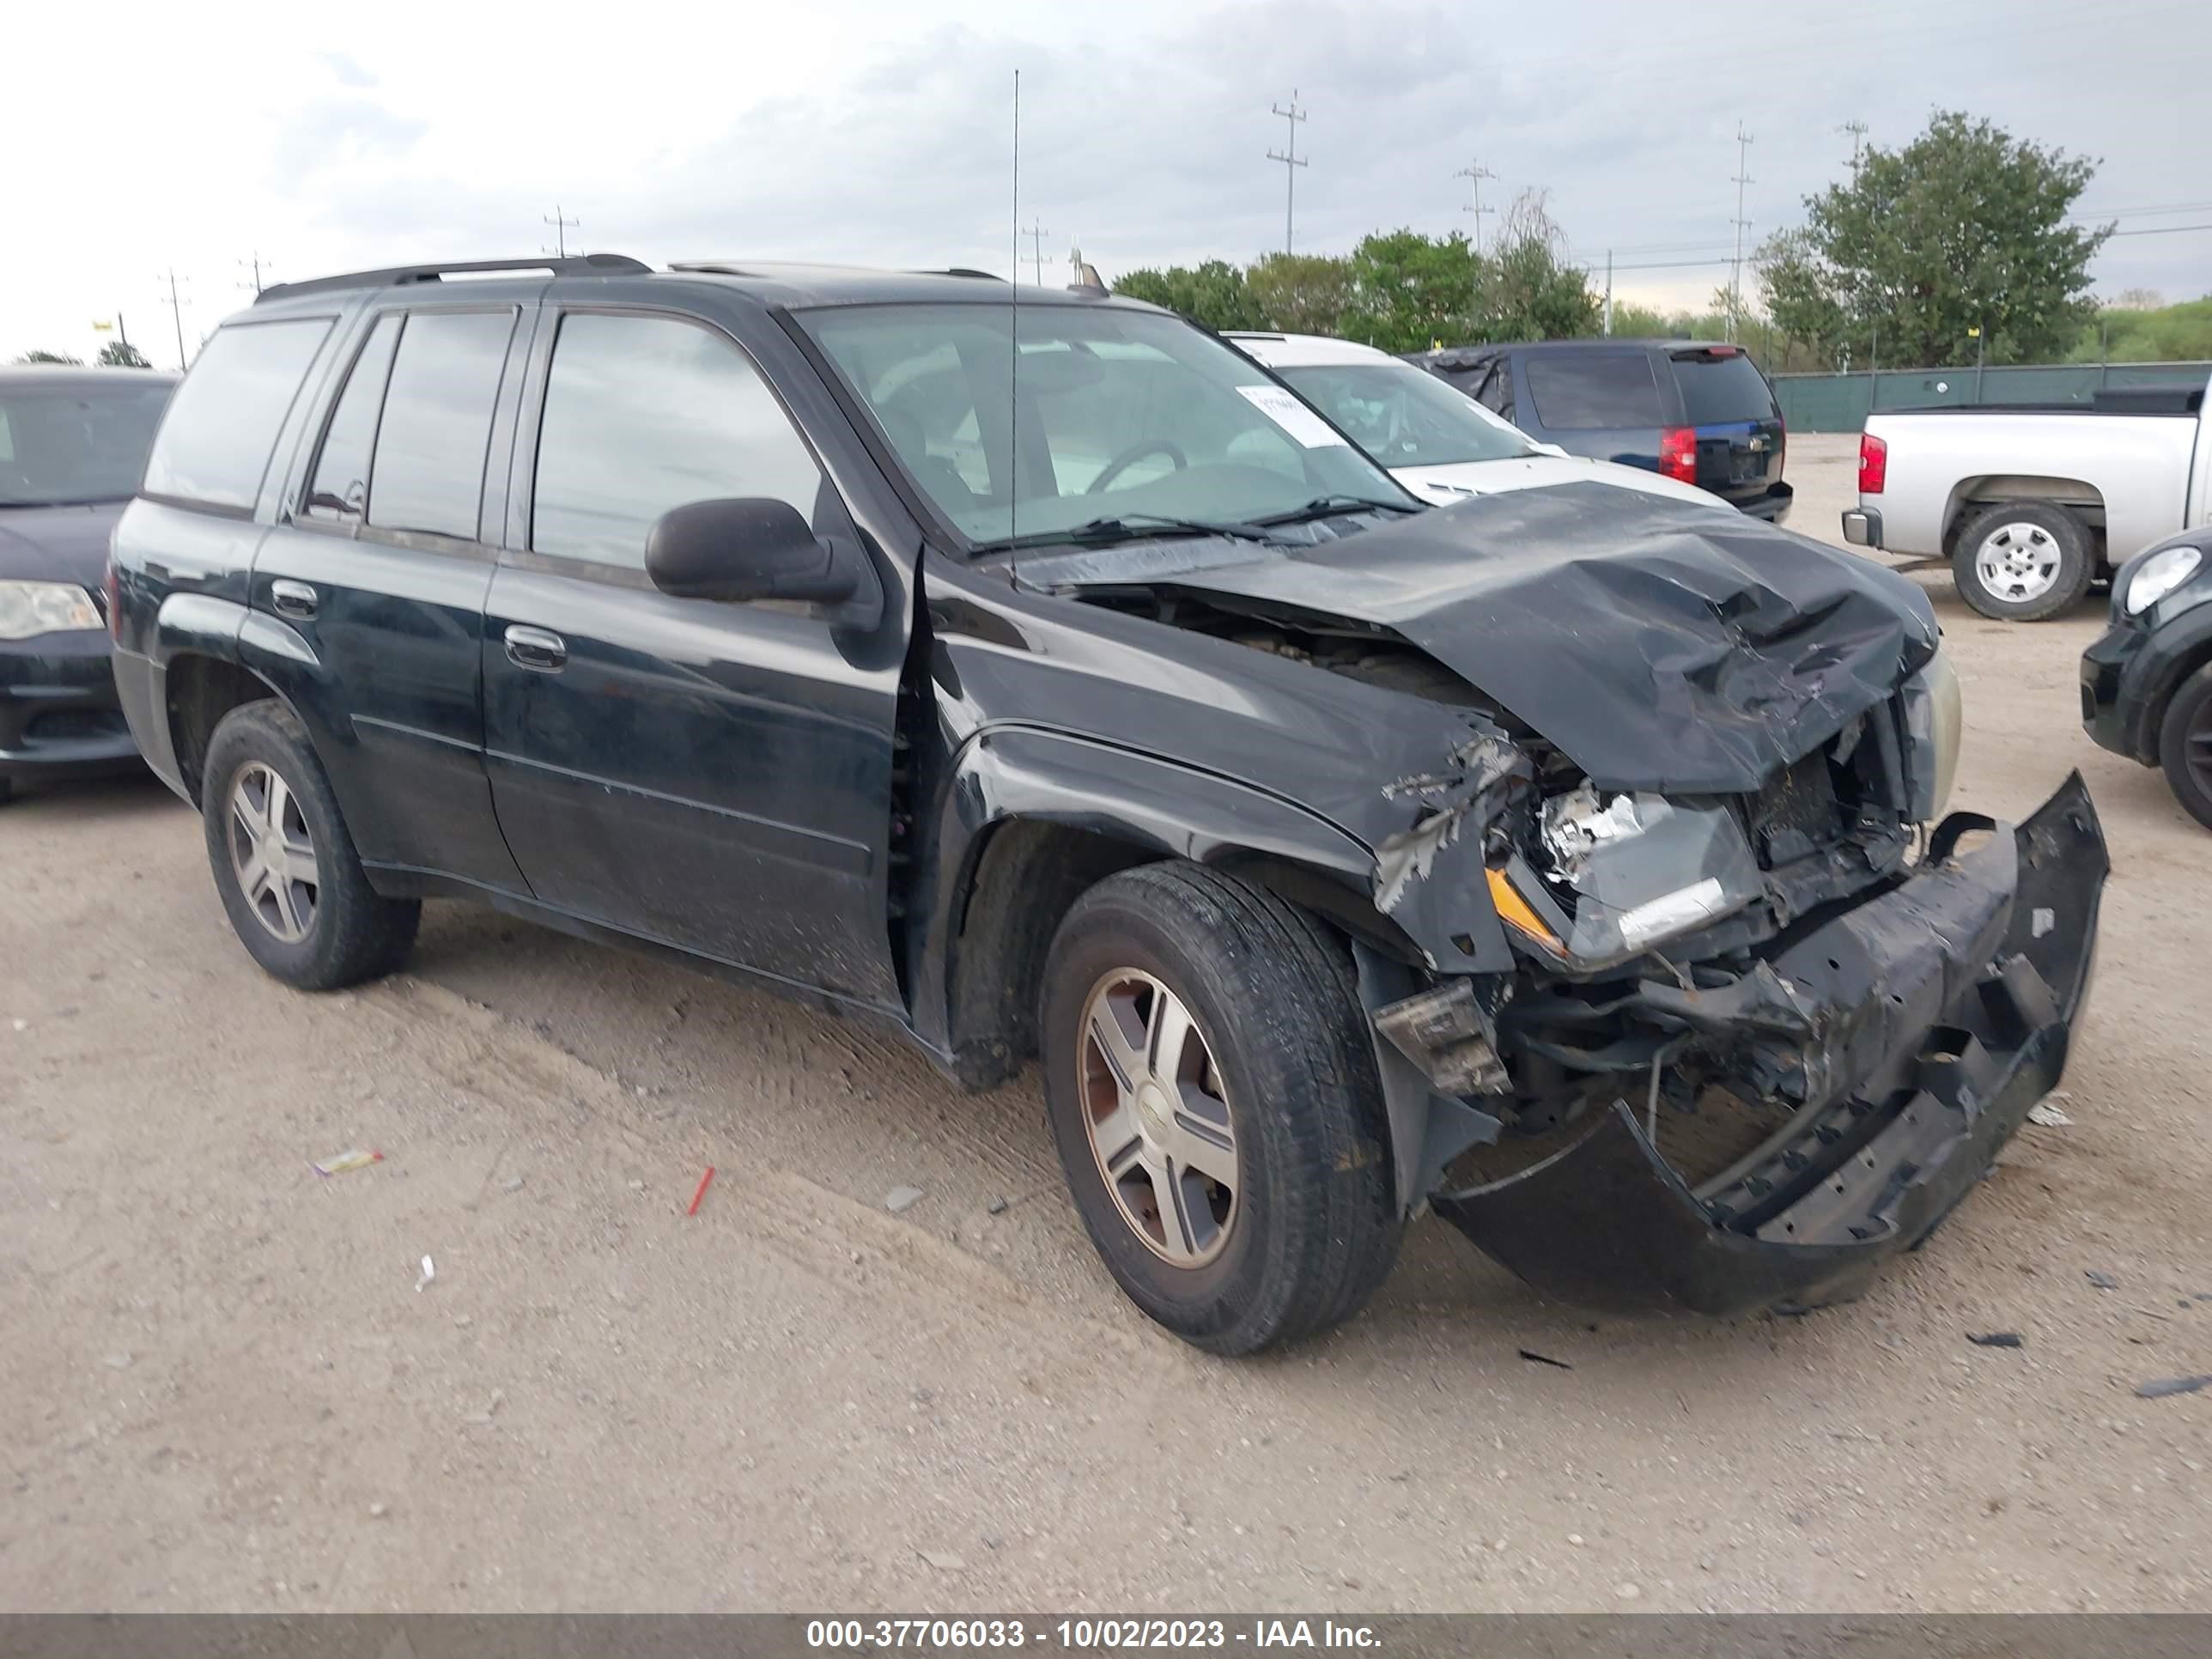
(2018, 562)
(272, 853)
(1159, 1118)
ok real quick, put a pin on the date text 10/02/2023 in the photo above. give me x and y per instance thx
(1082, 1634)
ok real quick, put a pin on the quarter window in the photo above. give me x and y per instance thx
(221, 425)
(643, 414)
(1582, 391)
(428, 466)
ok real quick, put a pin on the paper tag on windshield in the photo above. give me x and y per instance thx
(1293, 416)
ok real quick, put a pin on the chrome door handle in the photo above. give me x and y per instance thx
(535, 648)
(293, 599)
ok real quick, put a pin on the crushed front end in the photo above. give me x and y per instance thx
(1752, 1046)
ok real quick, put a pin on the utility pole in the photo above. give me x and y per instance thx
(1036, 233)
(561, 226)
(1735, 268)
(253, 262)
(1608, 293)
(1476, 173)
(1291, 162)
(1858, 131)
(177, 312)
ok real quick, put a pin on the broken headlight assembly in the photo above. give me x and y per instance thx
(1614, 875)
(1933, 717)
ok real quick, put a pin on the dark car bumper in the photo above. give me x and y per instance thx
(58, 713)
(1935, 1016)
(1771, 504)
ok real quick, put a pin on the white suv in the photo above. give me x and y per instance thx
(1439, 443)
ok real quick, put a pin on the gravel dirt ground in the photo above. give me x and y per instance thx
(223, 1386)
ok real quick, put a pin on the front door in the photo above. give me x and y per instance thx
(380, 566)
(714, 776)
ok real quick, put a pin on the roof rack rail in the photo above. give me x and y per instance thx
(581, 264)
(963, 271)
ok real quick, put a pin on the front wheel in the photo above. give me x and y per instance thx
(284, 862)
(2023, 561)
(2184, 744)
(1214, 1096)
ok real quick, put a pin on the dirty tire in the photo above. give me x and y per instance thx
(2068, 537)
(2184, 744)
(1271, 994)
(353, 934)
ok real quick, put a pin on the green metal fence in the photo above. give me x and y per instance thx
(1841, 403)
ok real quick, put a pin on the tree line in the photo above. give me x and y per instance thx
(1963, 240)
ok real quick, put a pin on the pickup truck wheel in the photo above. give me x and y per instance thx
(2184, 744)
(284, 863)
(2023, 561)
(1213, 1092)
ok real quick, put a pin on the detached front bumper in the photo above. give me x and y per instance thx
(58, 713)
(1926, 1022)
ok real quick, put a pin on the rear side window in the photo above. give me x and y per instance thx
(339, 493)
(643, 414)
(1581, 389)
(1719, 389)
(222, 424)
(428, 471)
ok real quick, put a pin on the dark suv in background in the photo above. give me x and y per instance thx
(1694, 411)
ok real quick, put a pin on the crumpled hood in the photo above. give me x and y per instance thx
(1661, 646)
(57, 543)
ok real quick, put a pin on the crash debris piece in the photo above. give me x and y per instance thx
(2049, 1116)
(701, 1191)
(1535, 1358)
(1996, 1339)
(429, 1271)
(341, 1162)
(900, 1200)
(2102, 1281)
(943, 1560)
(1446, 1034)
(2164, 1386)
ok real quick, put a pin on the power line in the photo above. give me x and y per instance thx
(561, 226)
(255, 264)
(1474, 172)
(1291, 162)
(1858, 131)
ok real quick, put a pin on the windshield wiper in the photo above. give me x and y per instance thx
(1134, 527)
(1321, 507)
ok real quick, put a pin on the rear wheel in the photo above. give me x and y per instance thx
(2184, 744)
(284, 862)
(1214, 1096)
(2023, 561)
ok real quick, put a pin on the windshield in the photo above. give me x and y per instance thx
(1120, 414)
(66, 445)
(1404, 416)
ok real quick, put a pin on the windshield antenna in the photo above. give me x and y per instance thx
(1014, 341)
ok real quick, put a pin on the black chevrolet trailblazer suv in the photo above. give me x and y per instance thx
(1036, 674)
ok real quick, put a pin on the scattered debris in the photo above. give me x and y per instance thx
(900, 1200)
(943, 1561)
(701, 1192)
(637, 1185)
(2102, 1281)
(1628, 1592)
(1996, 1339)
(1535, 1358)
(2049, 1116)
(429, 1271)
(512, 1184)
(342, 1163)
(1576, 1539)
(378, 1511)
(2170, 1385)
(996, 1206)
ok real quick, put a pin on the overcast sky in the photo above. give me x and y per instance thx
(861, 131)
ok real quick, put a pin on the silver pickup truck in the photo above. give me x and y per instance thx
(2029, 505)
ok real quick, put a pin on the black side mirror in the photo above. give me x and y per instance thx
(751, 547)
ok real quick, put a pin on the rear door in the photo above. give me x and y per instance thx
(712, 776)
(1726, 402)
(1603, 404)
(380, 564)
